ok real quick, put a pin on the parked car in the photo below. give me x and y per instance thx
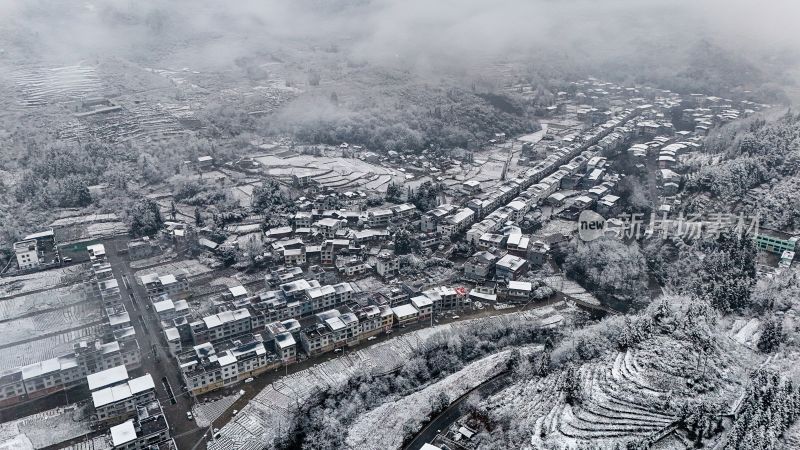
(189, 415)
(248, 380)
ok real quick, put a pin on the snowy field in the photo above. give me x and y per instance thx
(39, 281)
(267, 415)
(77, 220)
(334, 172)
(189, 267)
(624, 397)
(43, 85)
(44, 429)
(570, 288)
(14, 307)
(45, 348)
(206, 413)
(79, 315)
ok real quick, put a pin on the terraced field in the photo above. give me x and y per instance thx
(48, 323)
(44, 324)
(16, 307)
(41, 85)
(45, 348)
(632, 395)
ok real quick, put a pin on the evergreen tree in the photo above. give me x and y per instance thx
(198, 219)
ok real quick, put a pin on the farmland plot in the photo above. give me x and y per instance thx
(38, 281)
(52, 322)
(44, 429)
(631, 395)
(46, 348)
(189, 267)
(30, 304)
(41, 86)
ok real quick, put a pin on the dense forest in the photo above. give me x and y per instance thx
(758, 162)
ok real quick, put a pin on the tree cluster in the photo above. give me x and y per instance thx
(326, 419)
(769, 407)
(720, 270)
(610, 268)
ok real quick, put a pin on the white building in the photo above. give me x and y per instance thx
(27, 254)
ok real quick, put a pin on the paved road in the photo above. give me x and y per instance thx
(160, 365)
(453, 412)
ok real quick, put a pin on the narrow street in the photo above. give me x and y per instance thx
(156, 359)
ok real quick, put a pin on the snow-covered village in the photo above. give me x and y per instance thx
(374, 224)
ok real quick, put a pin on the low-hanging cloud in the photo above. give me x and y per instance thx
(416, 35)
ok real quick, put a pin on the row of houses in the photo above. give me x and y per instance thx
(254, 347)
(211, 366)
(330, 219)
(548, 176)
(117, 346)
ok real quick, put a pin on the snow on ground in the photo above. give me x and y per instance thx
(533, 138)
(42, 301)
(623, 396)
(104, 229)
(557, 226)
(268, 414)
(80, 315)
(570, 288)
(206, 413)
(96, 443)
(745, 334)
(44, 429)
(336, 172)
(243, 194)
(37, 281)
(383, 427)
(189, 267)
(245, 229)
(152, 261)
(12, 439)
(45, 348)
(91, 218)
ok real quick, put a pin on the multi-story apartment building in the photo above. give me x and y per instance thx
(386, 264)
(114, 404)
(208, 367)
(444, 298)
(148, 430)
(57, 374)
(331, 330)
(220, 326)
(456, 222)
(430, 220)
(379, 218)
(175, 286)
(775, 241)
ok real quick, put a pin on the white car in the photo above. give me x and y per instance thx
(372, 338)
(189, 415)
(235, 412)
(248, 380)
